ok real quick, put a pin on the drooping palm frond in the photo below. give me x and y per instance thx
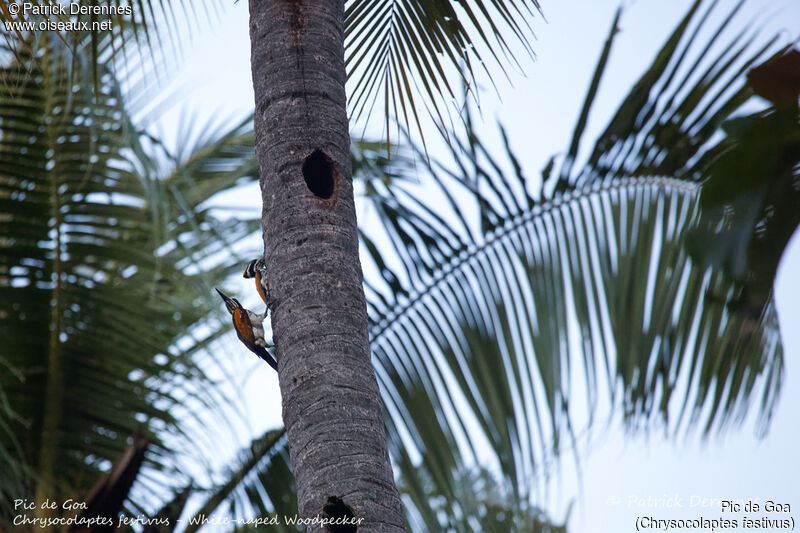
(502, 321)
(106, 268)
(401, 50)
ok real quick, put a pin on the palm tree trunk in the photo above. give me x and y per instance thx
(331, 403)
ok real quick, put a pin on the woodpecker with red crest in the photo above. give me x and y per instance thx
(249, 328)
(256, 269)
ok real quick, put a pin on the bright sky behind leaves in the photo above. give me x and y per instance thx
(539, 112)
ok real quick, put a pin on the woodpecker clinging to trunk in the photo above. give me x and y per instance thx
(256, 270)
(249, 328)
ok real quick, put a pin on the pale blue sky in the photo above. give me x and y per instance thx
(539, 111)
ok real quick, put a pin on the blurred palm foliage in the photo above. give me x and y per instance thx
(505, 309)
(749, 201)
(140, 38)
(509, 310)
(107, 259)
(404, 53)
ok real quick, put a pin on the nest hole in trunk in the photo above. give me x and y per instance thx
(342, 515)
(320, 173)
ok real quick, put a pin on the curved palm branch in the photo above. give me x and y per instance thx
(502, 320)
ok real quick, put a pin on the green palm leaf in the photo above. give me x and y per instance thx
(261, 485)
(399, 50)
(500, 319)
(105, 265)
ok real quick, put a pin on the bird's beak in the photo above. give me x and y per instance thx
(228, 301)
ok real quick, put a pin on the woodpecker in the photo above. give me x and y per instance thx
(255, 269)
(249, 328)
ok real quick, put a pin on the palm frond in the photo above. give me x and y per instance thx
(481, 504)
(166, 517)
(261, 485)
(399, 50)
(104, 267)
(749, 199)
(500, 320)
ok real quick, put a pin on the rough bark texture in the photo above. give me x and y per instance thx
(331, 404)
